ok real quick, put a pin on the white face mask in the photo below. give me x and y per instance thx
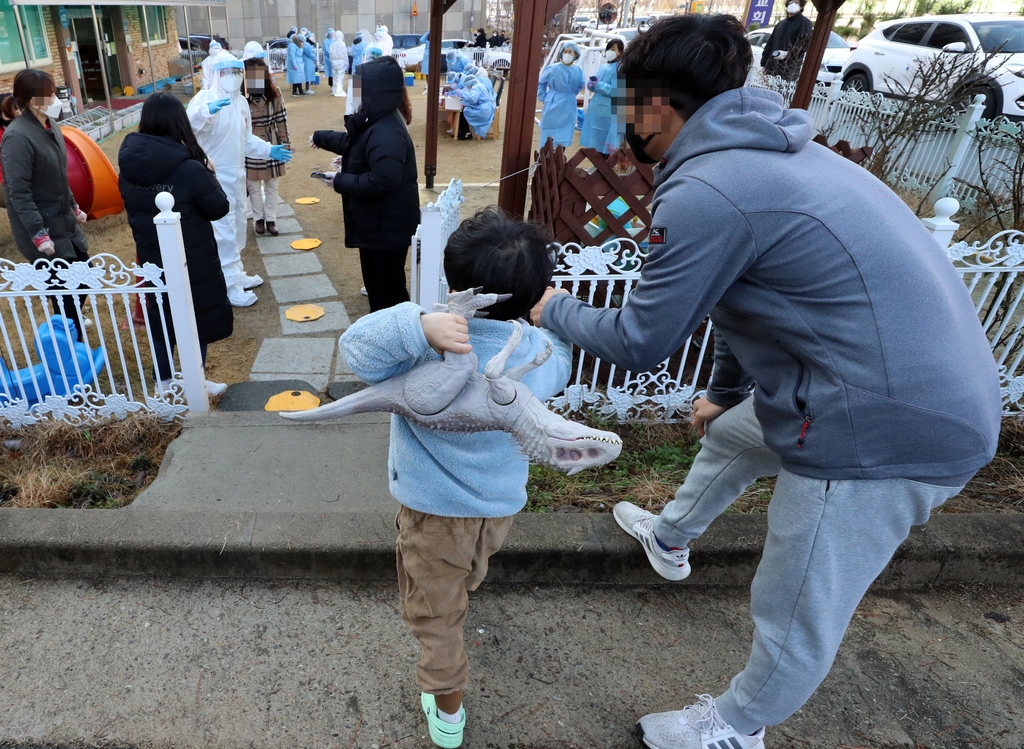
(54, 109)
(611, 55)
(793, 8)
(231, 84)
(568, 58)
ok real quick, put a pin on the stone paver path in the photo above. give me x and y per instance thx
(305, 350)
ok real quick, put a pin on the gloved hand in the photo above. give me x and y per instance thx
(280, 153)
(44, 244)
(780, 55)
(338, 160)
(591, 85)
(313, 145)
(328, 178)
(80, 216)
(219, 104)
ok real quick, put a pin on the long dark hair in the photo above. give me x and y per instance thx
(164, 115)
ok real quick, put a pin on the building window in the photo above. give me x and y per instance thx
(34, 29)
(156, 21)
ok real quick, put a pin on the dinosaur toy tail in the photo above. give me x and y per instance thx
(362, 402)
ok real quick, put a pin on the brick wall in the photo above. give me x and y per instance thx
(7, 79)
(163, 52)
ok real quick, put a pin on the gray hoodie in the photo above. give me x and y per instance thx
(869, 358)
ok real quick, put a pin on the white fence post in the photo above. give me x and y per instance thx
(942, 227)
(179, 295)
(431, 248)
(956, 152)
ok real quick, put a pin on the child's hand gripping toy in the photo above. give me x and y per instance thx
(451, 395)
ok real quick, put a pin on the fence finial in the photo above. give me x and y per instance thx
(165, 202)
(942, 226)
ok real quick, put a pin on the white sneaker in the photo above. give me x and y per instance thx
(86, 323)
(671, 565)
(214, 389)
(362, 290)
(164, 386)
(698, 726)
(239, 297)
(251, 282)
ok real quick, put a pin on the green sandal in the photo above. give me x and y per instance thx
(443, 734)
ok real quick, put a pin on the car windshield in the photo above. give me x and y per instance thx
(1000, 36)
(836, 42)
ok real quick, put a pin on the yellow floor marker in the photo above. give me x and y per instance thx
(292, 400)
(304, 312)
(307, 201)
(306, 244)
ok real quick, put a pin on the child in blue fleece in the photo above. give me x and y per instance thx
(458, 492)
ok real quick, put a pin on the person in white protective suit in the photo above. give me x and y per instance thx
(222, 123)
(383, 40)
(207, 64)
(339, 63)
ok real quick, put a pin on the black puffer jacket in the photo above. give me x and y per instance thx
(150, 165)
(377, 183)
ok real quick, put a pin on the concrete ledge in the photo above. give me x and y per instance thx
(540, 549)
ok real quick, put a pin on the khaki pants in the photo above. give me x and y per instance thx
(440, 559)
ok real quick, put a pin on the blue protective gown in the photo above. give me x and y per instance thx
(328, 68)
(559, 84)
(425, 65)
(295, 65)
(477, 106)
(600, 125)
(457, 63)
(309, 58)
(357, 51)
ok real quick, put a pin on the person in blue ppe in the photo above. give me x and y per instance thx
(425, 65)
(328, 66)
(457, 62)
(222, 122)
(295, 67)
(361, 41)
(557, 90)
(477, 104)
(601, 128)
(309, 60)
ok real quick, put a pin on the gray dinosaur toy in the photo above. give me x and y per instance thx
(451, 395)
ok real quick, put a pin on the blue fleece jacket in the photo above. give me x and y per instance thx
(479, 475)
(869, 358)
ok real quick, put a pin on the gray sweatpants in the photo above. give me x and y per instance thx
(827, 541)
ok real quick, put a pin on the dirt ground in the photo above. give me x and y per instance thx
(475, 162)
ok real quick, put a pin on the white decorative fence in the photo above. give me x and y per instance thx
(46, 372)
(948, 159)
(437, 222)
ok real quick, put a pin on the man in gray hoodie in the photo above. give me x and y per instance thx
(876, 395)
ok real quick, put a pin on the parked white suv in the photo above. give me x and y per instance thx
(888, 54)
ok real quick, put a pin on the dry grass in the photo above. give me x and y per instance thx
(656, 458)
(104, 465)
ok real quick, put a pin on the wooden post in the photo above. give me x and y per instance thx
(433, 88)
(520, 102)
(827, 11)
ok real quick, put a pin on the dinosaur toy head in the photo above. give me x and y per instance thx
(564, 445)
(576, 448)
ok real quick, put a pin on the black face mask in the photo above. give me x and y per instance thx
(637, 144)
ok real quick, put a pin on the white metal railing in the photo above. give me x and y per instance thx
(46, 372)
(437, 222)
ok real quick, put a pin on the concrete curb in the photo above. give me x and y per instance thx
(563, 549)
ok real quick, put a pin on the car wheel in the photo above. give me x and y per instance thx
(991, 100)
(857, 82)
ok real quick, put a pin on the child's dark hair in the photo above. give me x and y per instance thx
(502, 255)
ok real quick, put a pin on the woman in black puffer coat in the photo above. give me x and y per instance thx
(164, 156)
(377, 182)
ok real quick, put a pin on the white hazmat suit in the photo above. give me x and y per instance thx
(339, 61)
(383, 41)
(207, 64)
(220, 118)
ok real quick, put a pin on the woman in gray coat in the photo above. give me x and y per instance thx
(45, 219)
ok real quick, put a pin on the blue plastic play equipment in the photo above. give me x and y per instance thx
(67, 362)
